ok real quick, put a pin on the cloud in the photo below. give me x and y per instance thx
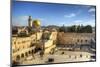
(89, 22)
(23, 20)
(78, 22)
(15, 21)
(93, 15)
(20, 20)
(41, 19)
(91, 10)
(70, 15)
(23, 17)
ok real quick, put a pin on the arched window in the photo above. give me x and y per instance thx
(26, 54)
(29, 52)
(85, 40)
(81, 41)
(77, 40)
(18, 57)
(22, 55)
(80, 55)
(32, 51)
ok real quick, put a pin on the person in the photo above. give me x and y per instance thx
(41, 54)
(62, 53)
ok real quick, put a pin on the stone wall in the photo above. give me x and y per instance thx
(21, 46)
(75, 38)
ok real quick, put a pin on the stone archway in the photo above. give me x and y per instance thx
(29, 52)
(18, 57)
(22, 55)
(26, 54)
(32, 51)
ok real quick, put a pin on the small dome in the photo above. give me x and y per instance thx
(36, 23)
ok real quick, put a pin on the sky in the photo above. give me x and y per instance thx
(52, 14)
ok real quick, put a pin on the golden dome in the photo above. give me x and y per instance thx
(36, 23)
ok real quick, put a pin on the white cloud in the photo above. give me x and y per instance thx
(93, 15)
(89, 22)
(91, 10)
(78, 22)
(20, 20)
(70, 15)
(24, 17)
(41, 19)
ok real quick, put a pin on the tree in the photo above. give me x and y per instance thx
(62, 29)
(77, 29)
(88, 29)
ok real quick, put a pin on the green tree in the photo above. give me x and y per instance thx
(62, 29)
(88, 29)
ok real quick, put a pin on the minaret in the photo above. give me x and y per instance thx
(30, 21)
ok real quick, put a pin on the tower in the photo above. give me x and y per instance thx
(30, 21)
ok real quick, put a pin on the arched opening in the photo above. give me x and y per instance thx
(29, 52)
(81, 41)
(77, 40)
(26, 54)
(18, 57)
(38, 49)
(80, 55)
(22, 55)
(32, 51)
(85, 40)
(31, 45)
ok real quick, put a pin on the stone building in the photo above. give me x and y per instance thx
(49, 41)
(75, 40)
(22, 47)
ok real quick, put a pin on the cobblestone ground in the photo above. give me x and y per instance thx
(60, 56)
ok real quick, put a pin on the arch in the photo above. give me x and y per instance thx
(86, 40)
(80, 55)
(32, 51)
(77, 40)
(81, 41)
(29, 52)
(18, 57)
(22, 55)
(26, 54)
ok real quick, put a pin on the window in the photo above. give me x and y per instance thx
(22, 55)
(81, 41)
(26, 54)
(77, 40)
(32, 51)
(80, 55)
(29, 52)
(85, 40)
(18, 57)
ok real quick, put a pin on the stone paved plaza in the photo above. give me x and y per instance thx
(59, 56)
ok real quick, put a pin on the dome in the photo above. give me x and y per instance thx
(36, 23)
